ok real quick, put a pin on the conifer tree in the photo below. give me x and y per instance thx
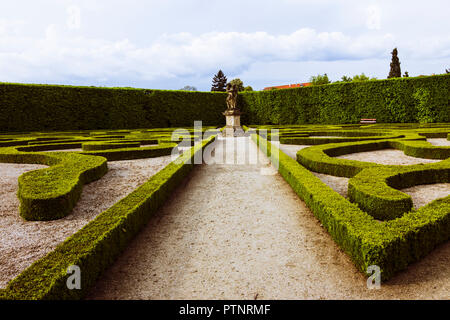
(219, 82)
(395, 71)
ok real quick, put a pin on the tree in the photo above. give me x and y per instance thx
(346, 79)
(219, 82)
(248, 88)
(189, 88)
(239, 84)
(362, 77)
(406, 75)
(395, 71)
(319, 79)
(447, 70)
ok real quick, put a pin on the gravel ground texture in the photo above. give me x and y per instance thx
(386, 156)
(425, 193)
(23, 242)
(238, 231)
(439, 142)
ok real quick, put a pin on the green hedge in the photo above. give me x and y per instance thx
(27, 107)
(163, 149)
(391, 245)
(108, 145)
(51, 193)
(373, 186)
(96, 246)
(421, 99)
(376, 192)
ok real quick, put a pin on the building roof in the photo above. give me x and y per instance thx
(287, 86)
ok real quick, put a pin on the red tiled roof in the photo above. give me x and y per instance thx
(287, 86)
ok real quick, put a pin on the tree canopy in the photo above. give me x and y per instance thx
(320, 79)
(395, 71)
(219, 82)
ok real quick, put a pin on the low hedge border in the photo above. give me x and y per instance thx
(97, 245)
(369, 185)
(163, 149)
(108, 145)
(111, 154)
(375, 189)
(51, 193)
(318, 140)
(391, 245)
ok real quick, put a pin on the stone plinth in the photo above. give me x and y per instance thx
(233, 123)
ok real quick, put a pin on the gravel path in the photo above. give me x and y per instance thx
(439, 142)
(231, 232)
(425, 193)
(23, 242)
(386, 156)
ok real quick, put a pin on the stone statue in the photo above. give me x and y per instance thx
(232, 96)
(232, 114)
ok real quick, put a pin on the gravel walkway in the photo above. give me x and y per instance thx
(23, 242)
(439, 142)
(386, 156)
(231, 232)
(425, 193)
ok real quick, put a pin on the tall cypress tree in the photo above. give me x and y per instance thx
(395, 71)
(219, 82)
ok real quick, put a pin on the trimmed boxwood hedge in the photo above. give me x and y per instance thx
(95, 247)
(162, 149)
(370, 185)
(29, 107)
(391, 245)
(419, 99)
(51, 193)
(108, 145)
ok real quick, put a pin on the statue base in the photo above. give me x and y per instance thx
(233, 123)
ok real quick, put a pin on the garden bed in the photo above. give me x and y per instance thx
(24, 242)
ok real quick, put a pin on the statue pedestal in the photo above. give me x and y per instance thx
(233, 123)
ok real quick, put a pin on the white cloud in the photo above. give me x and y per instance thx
(62, 57)
(373, 18)
(74, 17)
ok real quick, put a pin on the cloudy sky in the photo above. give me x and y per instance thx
(168, 44)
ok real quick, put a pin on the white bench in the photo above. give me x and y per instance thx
(368, 121)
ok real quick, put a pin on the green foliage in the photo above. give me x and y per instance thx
(362, 77)
(248, 88)
(51, 108)
(319, 79)
(96, 246)
(388, 101)
(395, 71)
(112, 154)
(425, 112)
(346, 79)
(219, 82)
(392, 245)
(51, 193)
(239, 84)
(108, 145)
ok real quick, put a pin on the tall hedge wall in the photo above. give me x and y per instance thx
(421, 99)
(26, 107)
